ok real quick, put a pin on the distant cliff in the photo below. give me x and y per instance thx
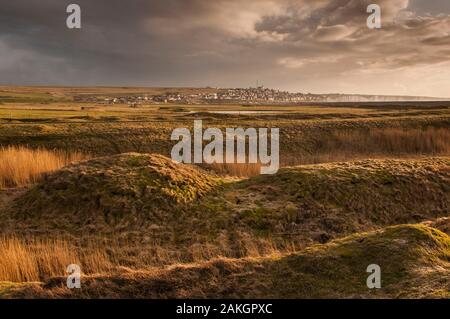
(373, 98)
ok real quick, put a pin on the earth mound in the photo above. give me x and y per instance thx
(186, 215)
(317, 203)
(122, 189)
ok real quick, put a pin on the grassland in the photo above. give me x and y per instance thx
(309, 134)
(361, 184)
(144, 211)
(414, 258)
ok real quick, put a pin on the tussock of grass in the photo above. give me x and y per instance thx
(117, 191)
(414, 261)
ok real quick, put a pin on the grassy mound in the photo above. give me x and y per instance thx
(414, 261)
(316, 203)
(176, 213)
(117, 190)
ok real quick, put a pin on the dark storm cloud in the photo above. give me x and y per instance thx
(114, 46)
(299, 45)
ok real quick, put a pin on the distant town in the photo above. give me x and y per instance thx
(257, 95)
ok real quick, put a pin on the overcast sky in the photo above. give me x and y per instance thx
(319, 46)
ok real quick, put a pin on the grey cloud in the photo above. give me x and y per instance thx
(221, 42)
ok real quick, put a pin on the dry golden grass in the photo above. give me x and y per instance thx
(349, 145)
(35, 260)
(235, 169)
(415, 263)
(430, 141)
(21, 166)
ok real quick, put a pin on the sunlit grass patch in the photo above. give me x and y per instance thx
(21, 166)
